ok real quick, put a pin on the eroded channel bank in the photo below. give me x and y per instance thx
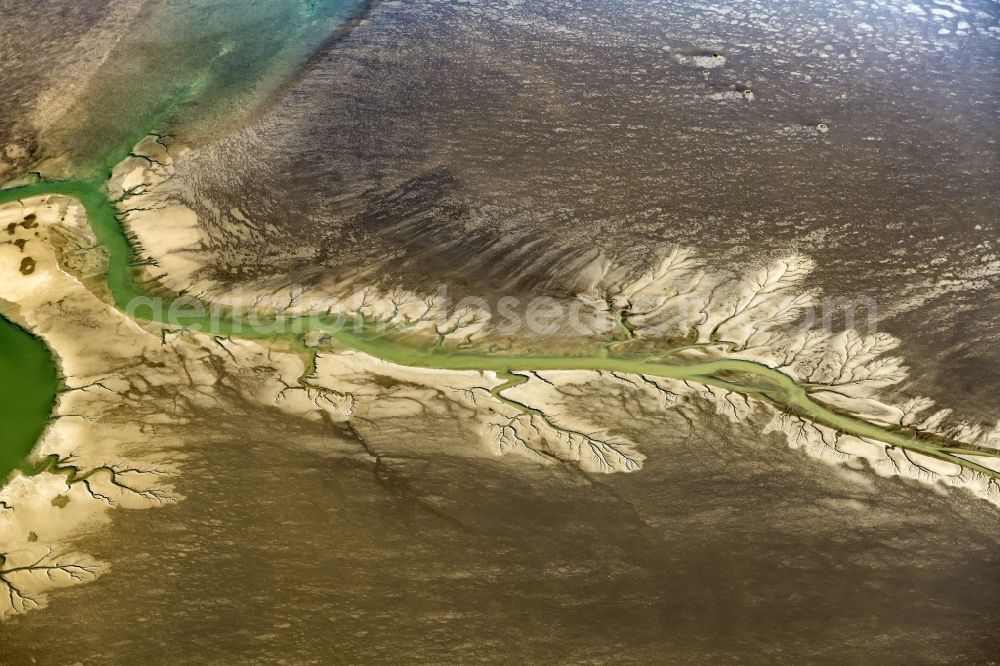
(738, 375)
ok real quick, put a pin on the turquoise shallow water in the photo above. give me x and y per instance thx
(28, 384)
(196, 66)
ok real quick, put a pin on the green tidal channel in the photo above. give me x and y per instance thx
(225, 57)
(200, 65)
(29, 381)
(740, 376)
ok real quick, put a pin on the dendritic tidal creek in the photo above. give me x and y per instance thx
(745, 377)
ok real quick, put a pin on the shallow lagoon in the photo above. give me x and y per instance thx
(28, 383)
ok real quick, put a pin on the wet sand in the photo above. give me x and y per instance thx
(718, 551)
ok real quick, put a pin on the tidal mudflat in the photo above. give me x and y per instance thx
(467, 357)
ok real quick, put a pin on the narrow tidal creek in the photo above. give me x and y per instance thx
(737, 375)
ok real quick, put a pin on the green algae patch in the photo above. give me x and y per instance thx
(29, 381)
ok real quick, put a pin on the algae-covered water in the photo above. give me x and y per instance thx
(28, 383)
